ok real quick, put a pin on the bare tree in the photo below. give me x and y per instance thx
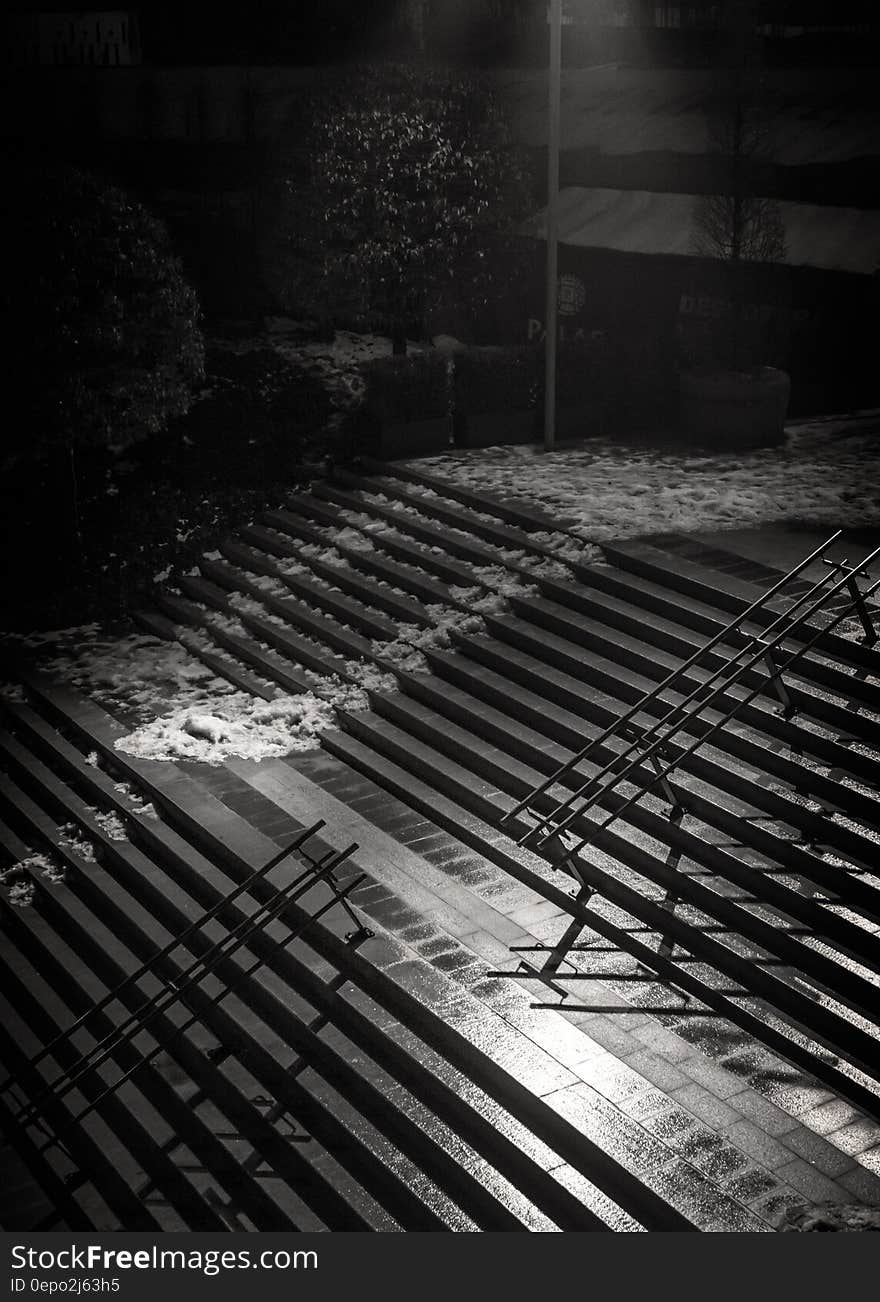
(739, 224)
(736, 223)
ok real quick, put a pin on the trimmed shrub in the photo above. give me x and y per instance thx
(106, 345)
(254, 435)
(258, 419)
(403, 185)
(497, 379)
(404, 389)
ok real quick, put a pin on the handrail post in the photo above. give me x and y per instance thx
(862, 612)
(677, 672)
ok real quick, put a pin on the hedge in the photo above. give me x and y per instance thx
(497, 379)
(411, 388)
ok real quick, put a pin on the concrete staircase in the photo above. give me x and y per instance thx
(365, 1089)
(328, 1091)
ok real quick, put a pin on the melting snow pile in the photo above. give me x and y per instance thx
(18, 880)
(73, 840)
(241, 726)
(826, 472)
(406, 651)
(135, 676)
(181, 710)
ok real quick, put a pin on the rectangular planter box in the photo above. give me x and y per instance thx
(728, 410)
(414, 438)
(488, 428)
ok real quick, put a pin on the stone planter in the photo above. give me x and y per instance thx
(488, 428)
(413, 438)
(732, 409)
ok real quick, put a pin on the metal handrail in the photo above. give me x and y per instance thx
(190, 976)
(681, 707)
(670, 678)
(697, 743)
(276, 906)
(133, 977)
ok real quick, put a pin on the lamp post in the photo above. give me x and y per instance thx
(555, 20)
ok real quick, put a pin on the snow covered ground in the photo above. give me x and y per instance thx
(827, 473)
(179, 709)
(176, 706)
(334, 363)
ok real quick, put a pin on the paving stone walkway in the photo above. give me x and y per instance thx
(742, 1122)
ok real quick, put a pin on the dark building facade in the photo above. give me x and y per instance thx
(95, 37)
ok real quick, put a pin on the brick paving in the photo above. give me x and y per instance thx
(729, 1134)
(714, 1115)
(709, 1119)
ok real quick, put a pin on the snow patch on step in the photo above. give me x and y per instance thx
(240, 726)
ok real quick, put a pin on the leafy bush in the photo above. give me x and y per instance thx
(253, 437)
(256, 419)
(497, 379)
(411, 388)
(106, 345)
(404, 185)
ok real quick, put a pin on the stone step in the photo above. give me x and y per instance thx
(603, 665)
(270, 666)
(467, 519)
(723, 591)
(125, 1127)
(124, 913)
(464, 547)
(634, 650)
(435, 1024)
(573, 630)
(315, 592)
(190, 867)
(670, 630)
(259, 1051)
(534, 706)
(514, 513)
(706, 619)
(602, 697)
(416, 581)
(369, 590)
(511, 734)
(485, 797)
(221, 666)
(110, 1199)
(319, 627)
(432, 786)
(499, 766)
(418, 544)
(74, 927)
(399, 1095)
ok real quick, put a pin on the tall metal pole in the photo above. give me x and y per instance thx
(555, 17)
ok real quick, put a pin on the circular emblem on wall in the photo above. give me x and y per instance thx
(571, 294)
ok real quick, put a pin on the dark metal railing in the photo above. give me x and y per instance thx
(656, 747)
(165, 952)
(86, 1065)
(649, 743)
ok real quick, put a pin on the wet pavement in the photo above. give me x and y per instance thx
(716, 1124)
